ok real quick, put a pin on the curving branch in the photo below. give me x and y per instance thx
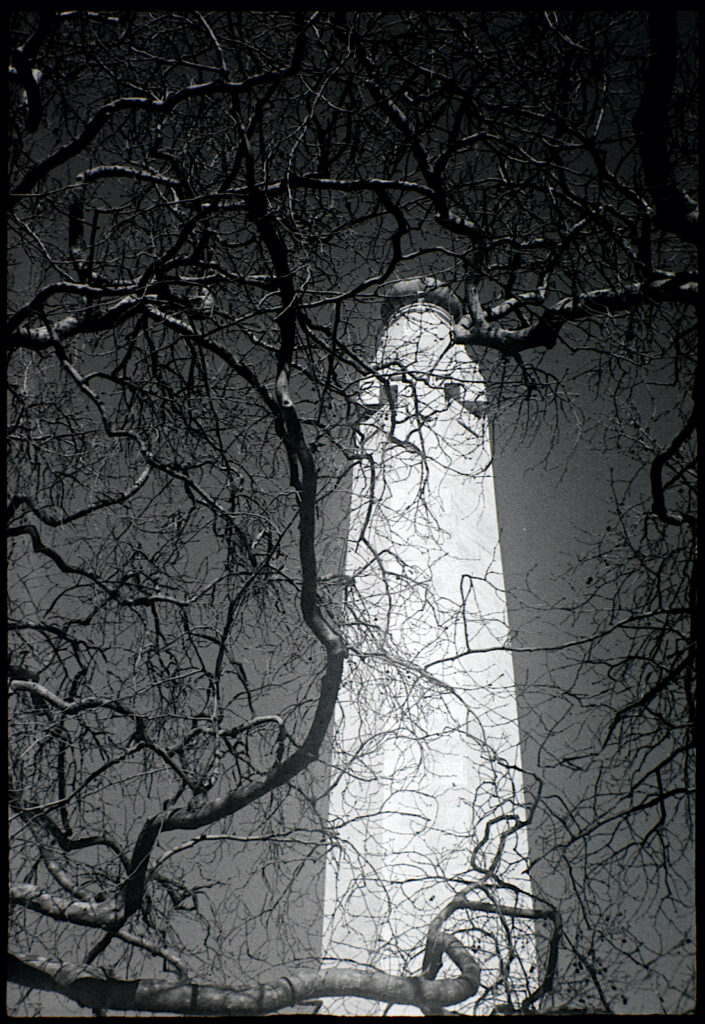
(17, 682)
(436, 938)
(150, 105)
(657, 466)
(95, 988)
(478, 326)
(62, 518)
(335, 651)
(41, 548)
(64, 839)
(30, 77)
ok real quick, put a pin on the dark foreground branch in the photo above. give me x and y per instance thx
(92, 987)
(675, 211)
(479, 327)
(308, 751)
(658, 490)
(437, 941)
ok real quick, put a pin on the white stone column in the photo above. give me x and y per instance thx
(420, 720)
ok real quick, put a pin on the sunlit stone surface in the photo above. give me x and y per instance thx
(426, 747)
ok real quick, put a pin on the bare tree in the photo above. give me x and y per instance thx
(204, 209)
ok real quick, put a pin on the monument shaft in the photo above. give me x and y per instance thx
(426, 747)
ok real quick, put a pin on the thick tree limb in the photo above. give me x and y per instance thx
(93, 319)
(90, 912)
(30, 78)
(675, 211)
(73, 707)
(478, 327)
(93, 988)
(436, 940)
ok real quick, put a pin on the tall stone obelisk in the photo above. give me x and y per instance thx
(426, 747)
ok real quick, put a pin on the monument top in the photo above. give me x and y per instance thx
(419, 289)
